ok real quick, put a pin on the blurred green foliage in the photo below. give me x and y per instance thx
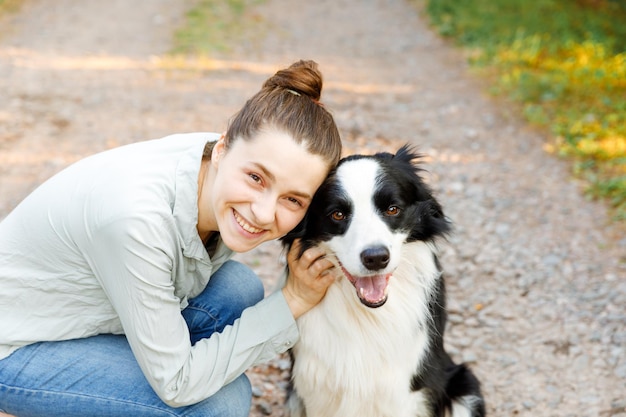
(565, 61)
(10, 5)
(214, 26)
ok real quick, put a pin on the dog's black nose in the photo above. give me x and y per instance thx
(375, 258)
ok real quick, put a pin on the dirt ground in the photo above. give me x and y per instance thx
(536, 272)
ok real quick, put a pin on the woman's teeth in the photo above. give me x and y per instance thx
(245, 226)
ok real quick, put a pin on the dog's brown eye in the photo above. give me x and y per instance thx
(393, 211)
(338, 215)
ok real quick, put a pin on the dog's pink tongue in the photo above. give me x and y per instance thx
(372, 289)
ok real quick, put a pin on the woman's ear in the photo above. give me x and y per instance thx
(218, 151)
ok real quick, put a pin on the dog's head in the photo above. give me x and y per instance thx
(365, 211)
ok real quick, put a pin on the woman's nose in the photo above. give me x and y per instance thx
(264, 210)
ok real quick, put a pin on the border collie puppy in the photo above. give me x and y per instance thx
(374, 346)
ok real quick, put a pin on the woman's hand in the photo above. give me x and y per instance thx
(309, 278)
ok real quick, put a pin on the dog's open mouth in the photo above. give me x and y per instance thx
(371, 290)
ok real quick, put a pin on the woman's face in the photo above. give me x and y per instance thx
(258, 190)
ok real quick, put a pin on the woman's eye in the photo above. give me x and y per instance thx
(255, 178)
(295, 201)
(337, 215)
(393, 211)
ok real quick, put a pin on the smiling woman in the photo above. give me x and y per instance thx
(138, 305)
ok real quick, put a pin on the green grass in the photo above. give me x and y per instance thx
(214, 26)
(565, 62)
(10, 6)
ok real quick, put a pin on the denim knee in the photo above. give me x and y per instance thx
(237, 288)
(232, 288)
(240, 406)
(250, 289)
(233, 400)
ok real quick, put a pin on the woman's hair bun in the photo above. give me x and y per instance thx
(302, 77)
(289, 102)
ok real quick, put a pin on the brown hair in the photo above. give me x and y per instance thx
(290, 102)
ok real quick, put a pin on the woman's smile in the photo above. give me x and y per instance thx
(245, 225)
(258, 189)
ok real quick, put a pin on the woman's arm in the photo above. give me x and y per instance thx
(133, 259)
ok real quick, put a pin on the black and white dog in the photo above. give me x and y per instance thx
(374, 346)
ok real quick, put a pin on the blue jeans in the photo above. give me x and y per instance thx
(99, 376)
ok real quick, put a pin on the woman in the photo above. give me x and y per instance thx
(116, 293)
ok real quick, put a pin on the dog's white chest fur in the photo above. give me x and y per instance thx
(355, 361)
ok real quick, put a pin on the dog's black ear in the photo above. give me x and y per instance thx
(435, 222)
(432, 220)
(408, 154)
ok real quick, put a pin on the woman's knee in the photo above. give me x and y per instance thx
(233, 400)
(242, 400)
(232, 289)
(245, 284)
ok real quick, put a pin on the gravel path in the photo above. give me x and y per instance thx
(536, 273)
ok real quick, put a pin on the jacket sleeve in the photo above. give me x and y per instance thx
(133, 261)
